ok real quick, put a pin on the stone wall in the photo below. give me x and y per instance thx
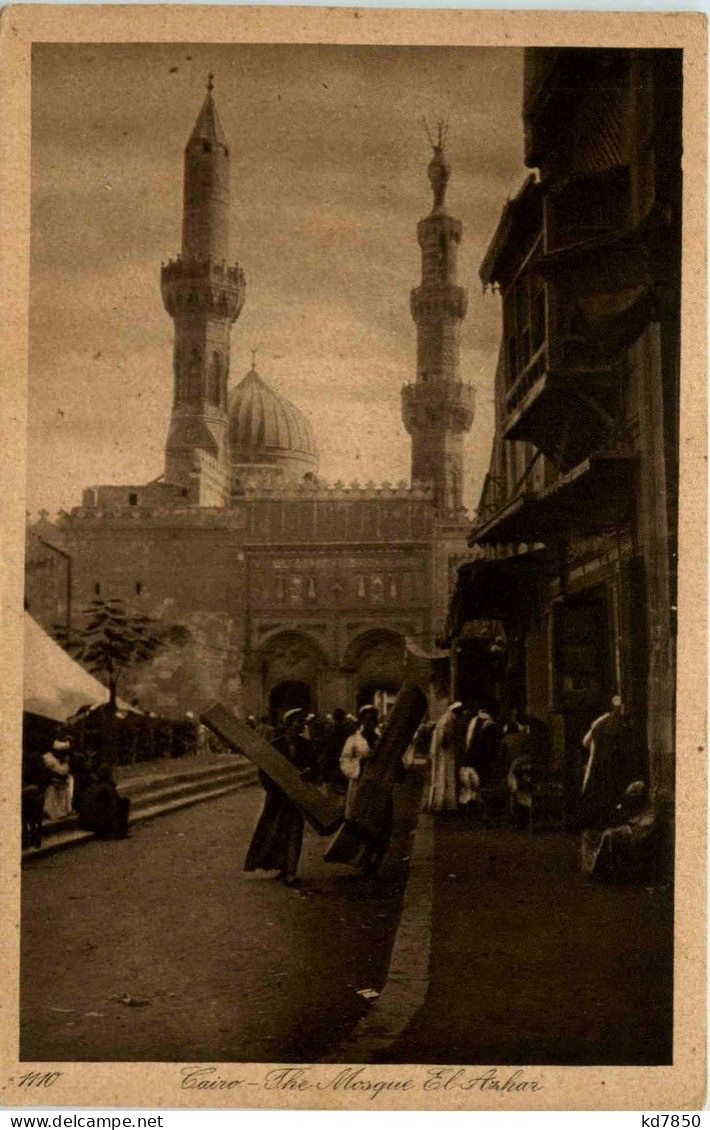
(182, 573)
(336, 570)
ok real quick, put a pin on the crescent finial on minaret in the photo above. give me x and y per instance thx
(439, 169)
(210, 83)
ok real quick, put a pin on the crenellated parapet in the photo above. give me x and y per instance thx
(212, 288)
(438, 403)
(44, 525)
(355, 491)
(205, 517)
(187, 513)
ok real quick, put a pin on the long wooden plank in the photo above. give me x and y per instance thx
(320, 811)
(378, 776)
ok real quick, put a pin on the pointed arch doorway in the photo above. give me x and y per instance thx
(288, 695)
(377, 659)
(292, 667)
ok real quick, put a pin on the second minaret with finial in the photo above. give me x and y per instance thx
(437, 408)
(204, 294)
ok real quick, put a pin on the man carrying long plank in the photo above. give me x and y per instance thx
(365, 834)
(286, 769)
(278, 837)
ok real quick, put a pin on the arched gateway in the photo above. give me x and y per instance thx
(377, 659)
(292, 666)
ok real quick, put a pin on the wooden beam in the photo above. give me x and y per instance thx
(378, 774)
(320, 811)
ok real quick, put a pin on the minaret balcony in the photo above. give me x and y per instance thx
(435, 401)
(433, 303)
(217, 288)
(438, 224)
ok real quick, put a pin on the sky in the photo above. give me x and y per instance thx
(328, 181)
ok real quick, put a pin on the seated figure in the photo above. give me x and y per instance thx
(626, 850)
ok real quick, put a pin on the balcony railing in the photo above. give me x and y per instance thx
(530, 375)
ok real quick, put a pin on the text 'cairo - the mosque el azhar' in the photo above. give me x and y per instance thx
(292, 591)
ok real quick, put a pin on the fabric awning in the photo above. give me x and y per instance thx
(495, 589)
(55, 685)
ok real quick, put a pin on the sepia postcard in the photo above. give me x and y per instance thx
(354, 570)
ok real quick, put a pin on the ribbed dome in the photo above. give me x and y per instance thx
(266, 428)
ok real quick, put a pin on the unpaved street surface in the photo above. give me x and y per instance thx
(227, 967)
(533, 963)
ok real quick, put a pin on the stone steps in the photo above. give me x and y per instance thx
(154, 795)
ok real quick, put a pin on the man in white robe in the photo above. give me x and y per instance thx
(359, 747)
(441, 794)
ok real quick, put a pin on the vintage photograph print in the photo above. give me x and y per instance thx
(351, 571)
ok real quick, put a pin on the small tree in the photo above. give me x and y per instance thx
(111, 641)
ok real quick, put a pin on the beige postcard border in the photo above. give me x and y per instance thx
(159, 1085)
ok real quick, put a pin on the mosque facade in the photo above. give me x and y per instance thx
(292, 591)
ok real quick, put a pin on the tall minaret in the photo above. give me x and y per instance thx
(438, 408)
(203, 296)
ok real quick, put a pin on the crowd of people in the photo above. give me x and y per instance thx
(326, 734)
(64, 781)
(127, 736)
(482, 765)
(476, 764)
(68, 771)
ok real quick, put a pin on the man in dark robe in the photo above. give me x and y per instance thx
(359, 750)
(81, 771)
(278, 836)
(337, 732)
(481, 751)
(103, 810)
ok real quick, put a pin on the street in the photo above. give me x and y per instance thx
(506, 952)
(223, 966)
(536, 962)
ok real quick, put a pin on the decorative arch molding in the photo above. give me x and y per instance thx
(376, 660)
(363, 639)
(373, 640)
(291, 655)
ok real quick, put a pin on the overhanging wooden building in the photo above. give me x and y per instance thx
(577, 522)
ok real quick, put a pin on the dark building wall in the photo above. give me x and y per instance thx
(585, 456)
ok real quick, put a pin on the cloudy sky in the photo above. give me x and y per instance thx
(328, 166)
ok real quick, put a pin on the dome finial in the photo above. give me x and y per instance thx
(253, 356)
(210, 83)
